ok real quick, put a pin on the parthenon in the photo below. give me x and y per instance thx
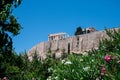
(57, 36)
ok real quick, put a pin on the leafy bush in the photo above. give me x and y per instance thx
(103, 63)
(100, 64)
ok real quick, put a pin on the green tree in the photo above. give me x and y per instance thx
(8, 26)
(78, 31)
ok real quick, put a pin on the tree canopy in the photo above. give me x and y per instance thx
(78, 31)
(9, 27)
(8, 24)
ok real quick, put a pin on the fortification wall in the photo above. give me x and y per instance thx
(74, 44)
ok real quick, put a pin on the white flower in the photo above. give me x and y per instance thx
(97, 79)
(49, 78)
(81, 60)
(68, 62)
(63, 61)
(86, 68)
(50, 69)
(92, 60)
(56, 78)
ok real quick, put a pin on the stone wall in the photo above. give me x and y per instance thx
(76, 44)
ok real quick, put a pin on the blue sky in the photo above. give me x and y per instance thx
(42, 17)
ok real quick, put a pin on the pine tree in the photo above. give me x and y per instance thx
(78, 31)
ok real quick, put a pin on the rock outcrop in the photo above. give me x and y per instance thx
(73, 44)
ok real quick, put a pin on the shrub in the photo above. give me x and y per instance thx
(100, 64)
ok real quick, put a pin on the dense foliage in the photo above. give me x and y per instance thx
(8, 26)
(100, 64)
(78, 31)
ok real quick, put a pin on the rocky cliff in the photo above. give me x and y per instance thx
(74, 44)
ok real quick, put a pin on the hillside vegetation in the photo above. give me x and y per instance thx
(100, 64)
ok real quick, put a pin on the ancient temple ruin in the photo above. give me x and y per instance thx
(57, 36)
(61, 43)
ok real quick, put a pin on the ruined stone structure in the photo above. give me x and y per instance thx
(91, 29)
(75, 44)
(58, 36)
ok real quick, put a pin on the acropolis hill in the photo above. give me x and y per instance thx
(62, 43)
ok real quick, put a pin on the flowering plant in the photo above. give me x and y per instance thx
(103, 63)
(107, 58)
